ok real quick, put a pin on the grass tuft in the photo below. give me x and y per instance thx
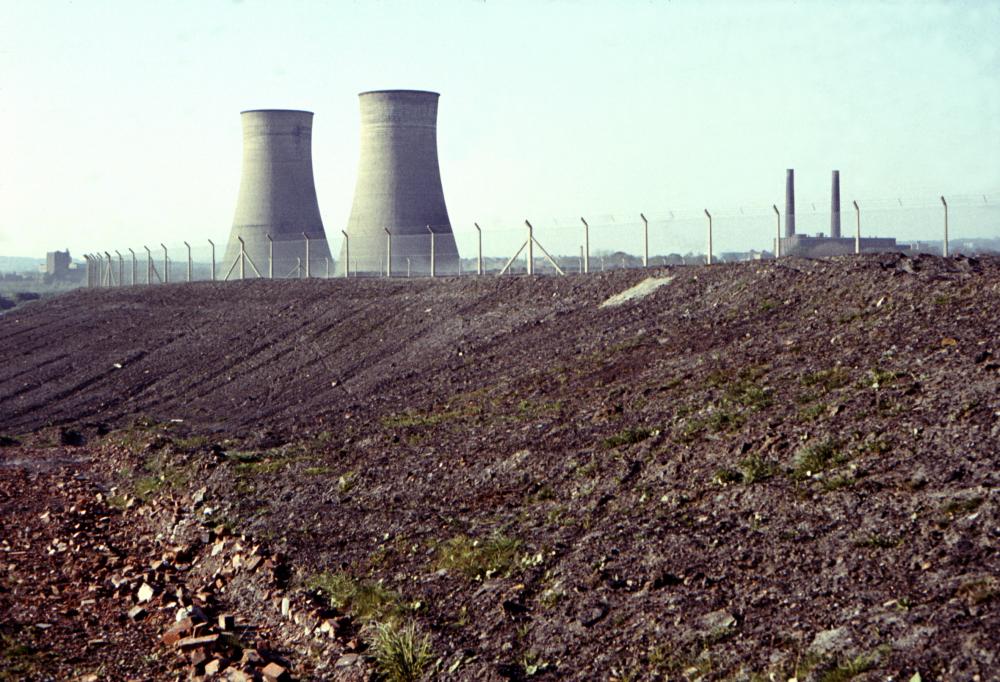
(496, 556)
(402, 652)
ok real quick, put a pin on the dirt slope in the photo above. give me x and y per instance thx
(759, 469)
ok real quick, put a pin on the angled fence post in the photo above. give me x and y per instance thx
(327, 267)
(433, 254)
(388, 252)
(213, 258)
(347, 254)
(189, 260)
(586, 246)
(149, 265)
(407, 266)
(134, 265)
(243, 258)
(645, 241)
(709, 236)
(944, 250)
(166, 264)
(531, 248)
(857, 228)
(479, 258)
(270, 258)
(121, 269)
(306, 237)
(777, 242)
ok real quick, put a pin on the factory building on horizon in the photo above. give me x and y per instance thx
(820, 245)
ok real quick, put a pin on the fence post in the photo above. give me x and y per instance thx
(306, 237)
(134, 266)
(945, 249)
(407, 267)
(121, 269)
(581, 259)
(586, 246)
(166, 264)
(777, 243)
(149, 265)
(857, 229)
(388, 252)
(327, 258)
(531, 248)
(347, 254)
(243, 258)
(433, 254)
(213, 258)
(709, 236)
(189, 260)
(645, 241)
(479, 258)
(270, 258)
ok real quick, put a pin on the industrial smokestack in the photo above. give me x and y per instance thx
(835, 206)
(399, 189)
(790, 203)
(277, 196)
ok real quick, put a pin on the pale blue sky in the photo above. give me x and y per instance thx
(119, 120)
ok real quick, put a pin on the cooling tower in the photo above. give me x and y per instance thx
(790, 203)
(398, 189)
(835, 206)
(277, 197)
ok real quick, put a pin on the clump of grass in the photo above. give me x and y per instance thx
(365, 600)
(877, 378)
(961, 507)
(878, 541)
(147, 486)
(479, 559)
(812, 412)
(827, 379)
(402, 652)
(755, 469)
(627, 437)
(817, 457)
(849, 669)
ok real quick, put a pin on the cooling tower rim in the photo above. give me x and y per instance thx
(277, 111)
(399, 92)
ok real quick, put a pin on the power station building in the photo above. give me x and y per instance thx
(277, 214)
(820, 245)
(399, 222)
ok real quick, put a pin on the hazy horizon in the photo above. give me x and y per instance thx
(121, 119)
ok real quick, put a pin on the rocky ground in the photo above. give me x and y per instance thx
(755, 471)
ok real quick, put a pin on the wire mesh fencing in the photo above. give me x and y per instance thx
(583, 244)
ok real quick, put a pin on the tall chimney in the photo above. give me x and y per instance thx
(277, 196)
(835, 206)
(790, 203)
(399, 189)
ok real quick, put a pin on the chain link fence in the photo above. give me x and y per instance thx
(579, 244)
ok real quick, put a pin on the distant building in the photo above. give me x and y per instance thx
(836, 244)
(57, 264)
(821, 246)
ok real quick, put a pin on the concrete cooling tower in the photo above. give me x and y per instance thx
(277, 198)
(399, 190)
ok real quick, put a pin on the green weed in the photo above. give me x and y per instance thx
(365, 600)
(817, 457)
(402, 652)
(479, 559)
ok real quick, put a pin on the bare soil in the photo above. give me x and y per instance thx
(758, 471)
